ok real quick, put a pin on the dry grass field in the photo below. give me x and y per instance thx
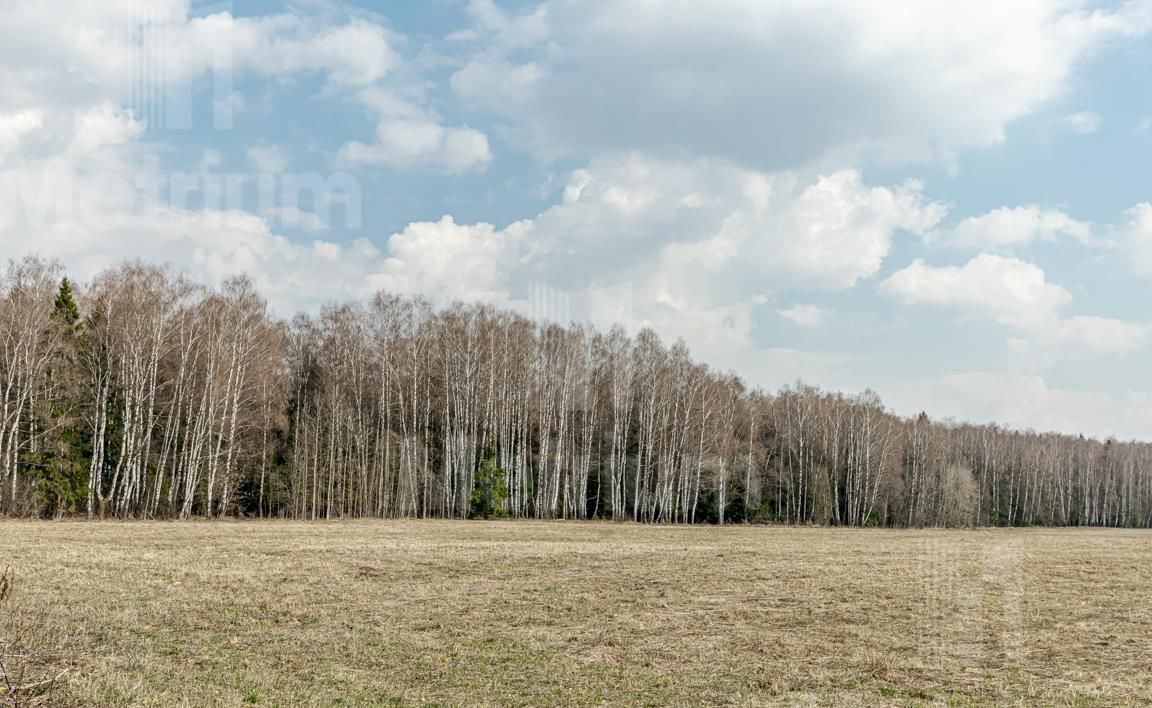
(442, 613)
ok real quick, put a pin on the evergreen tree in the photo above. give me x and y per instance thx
(62, 460)
(490, 490)
(65, 309)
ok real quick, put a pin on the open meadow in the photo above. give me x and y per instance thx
(525, 613)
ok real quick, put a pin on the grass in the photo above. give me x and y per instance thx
(487, 613)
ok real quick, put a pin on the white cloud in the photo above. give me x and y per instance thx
(450, 260)
(15, 127)
(1008, 290)
(104, 126)
(291, 217)
(74, 56)
(1026, 402)
(804, 315)
(1144, 125)
(421, 143)
(1012, 226)
(268, 159)
(354, 54)
(684, 219)
(1083, 123)
(689, 243)
(357, 53)
(69, 69)
(682, 247)
(164, 38)
(409, 135)
(1102, 335)
(782, 83)
(711, 230)
(68, 58)
(511, 30)
(88, 212)
(1135, 237)
(1016, 294)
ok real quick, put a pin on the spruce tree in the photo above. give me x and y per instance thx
(62, 461)
(65, 309)
(490, 490)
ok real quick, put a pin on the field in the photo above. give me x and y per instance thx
(487, 613)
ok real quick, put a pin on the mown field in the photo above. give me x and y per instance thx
(492, 613)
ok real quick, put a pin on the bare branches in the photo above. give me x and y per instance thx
(165, 399)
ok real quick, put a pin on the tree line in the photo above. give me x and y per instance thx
(144, 395)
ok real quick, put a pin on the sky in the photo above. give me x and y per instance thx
(948, 202)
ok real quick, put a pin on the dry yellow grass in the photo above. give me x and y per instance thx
(442, 613)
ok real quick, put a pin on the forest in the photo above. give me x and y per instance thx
(142, 394)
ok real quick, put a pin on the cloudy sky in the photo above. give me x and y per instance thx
(947, 201)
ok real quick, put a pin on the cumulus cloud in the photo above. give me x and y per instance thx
(1012, 226)
(75, 70)
(82, 77)
(354, 54)
(1008, 290)
(1135, 237)
(408, 134)
(14, 127)
(804, 315)
(86, 212)
(105, 125)
(782, 83)
(683, 245)
(1017, 294)
(90, 223)
(1082, 123)
(709, 229)
(291, 217)
(78, 53)
(1026, 402)
(93, 209)
(1103, 335)
(451, 261)
(421, 142)
(715, 146)
(79, 186)
(269, 159)
(691, 247)
(510, 30)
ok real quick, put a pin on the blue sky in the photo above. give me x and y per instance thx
(947, 203)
